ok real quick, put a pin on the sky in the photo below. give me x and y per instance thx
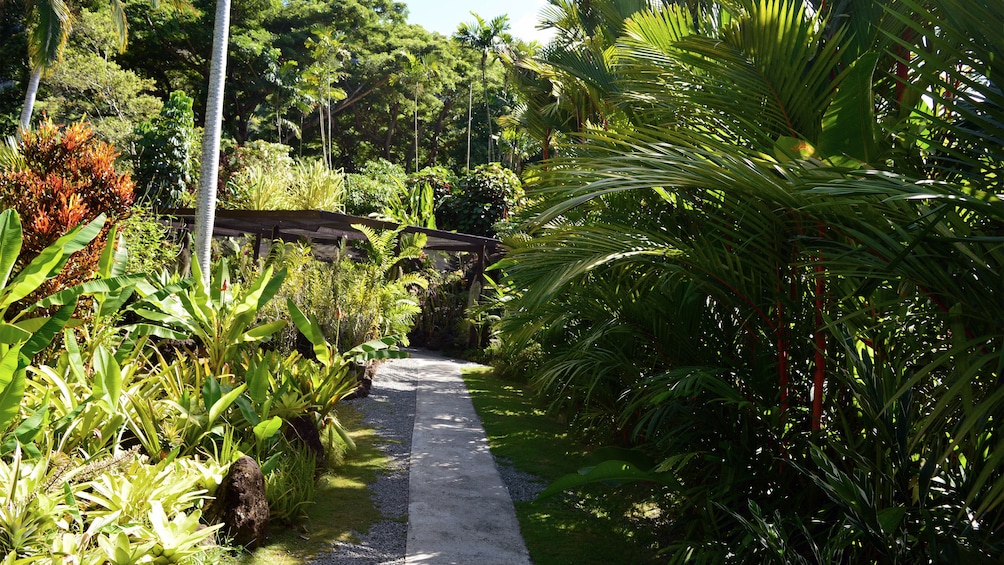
(445, 15)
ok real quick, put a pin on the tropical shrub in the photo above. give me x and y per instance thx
(482, 198)
(260, 155)
(164, 162)
(355, 301)
(769, 269)
(151, 248)
(69, 178)
(372, 188)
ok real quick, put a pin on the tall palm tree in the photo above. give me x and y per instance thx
(48, 36)
(486, 37)
(205, 217)
(782, 173)
(417, 69)
(51, 23)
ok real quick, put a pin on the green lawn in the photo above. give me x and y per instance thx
(342, 503)
(595, 525)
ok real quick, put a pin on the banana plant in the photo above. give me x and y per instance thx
(23, 335)
(220, 318)
(327, 382)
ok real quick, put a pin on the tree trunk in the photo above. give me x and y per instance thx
(205, 215)
(416, 130)
(488, 108)
(29, 98)
(470, 103)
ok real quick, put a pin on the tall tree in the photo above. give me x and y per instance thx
(417, 70)
(487, 38)
(205, 214)
(50, 27)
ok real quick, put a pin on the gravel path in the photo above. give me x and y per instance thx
(390, 410)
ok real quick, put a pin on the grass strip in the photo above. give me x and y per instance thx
(343, 503)
(596, 524)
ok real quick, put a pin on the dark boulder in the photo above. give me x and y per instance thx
(302, 430)
(240, 505)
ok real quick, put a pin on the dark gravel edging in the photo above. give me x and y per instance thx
(390, 410)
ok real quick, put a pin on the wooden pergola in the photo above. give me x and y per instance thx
(323, 229)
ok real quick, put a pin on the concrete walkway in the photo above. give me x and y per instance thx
(459, 510)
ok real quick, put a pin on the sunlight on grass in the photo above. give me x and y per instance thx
(580, 528)
(342, 505)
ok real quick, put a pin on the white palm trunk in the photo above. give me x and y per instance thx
(29, 98)
(205, 214)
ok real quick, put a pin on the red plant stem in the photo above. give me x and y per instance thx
(820, 360)
(783, 375)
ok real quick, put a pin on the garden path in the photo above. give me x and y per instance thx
(459, 509)
(442, 475)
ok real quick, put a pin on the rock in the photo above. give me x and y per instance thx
(171, 349)
(365, 381)
(302, 430)
(240, 505)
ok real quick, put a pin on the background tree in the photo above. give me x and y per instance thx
(164, 161)
(487, 38)
(90, 85)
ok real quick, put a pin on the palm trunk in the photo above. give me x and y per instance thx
(470, 105)
(488, 108)
(416, 130)
(205, 216)
(324, 144)
(29, 98)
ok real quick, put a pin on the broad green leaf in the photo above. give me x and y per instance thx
(10, 333)
(849, 125)
(73, 357)
(155, 331)
(10, 244)
(264, 330)
(247, 410)
(107, 258)
(90, 287)
(224, 402)
(29, 429)
(267, 428)
(12, 384)
(211, 392)
(44, 335)
(890, 519)
(312, 330)
(107, 378)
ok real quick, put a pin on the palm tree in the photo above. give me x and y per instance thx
(777, 268)
(51, 27)
(486, 37)
(45, 46)
(205, 217)
(416, 70)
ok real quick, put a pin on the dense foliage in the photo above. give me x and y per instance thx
(69, 177)
(164, 160)
(768, 259)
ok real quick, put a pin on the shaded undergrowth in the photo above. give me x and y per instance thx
(597, 524)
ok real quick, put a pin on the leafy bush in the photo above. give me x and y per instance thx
(164, 162)
(485, 196)
(373, 187)
(306, 185)
(150, 246)
(270, 159)
(289, 481)
(69, 178)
